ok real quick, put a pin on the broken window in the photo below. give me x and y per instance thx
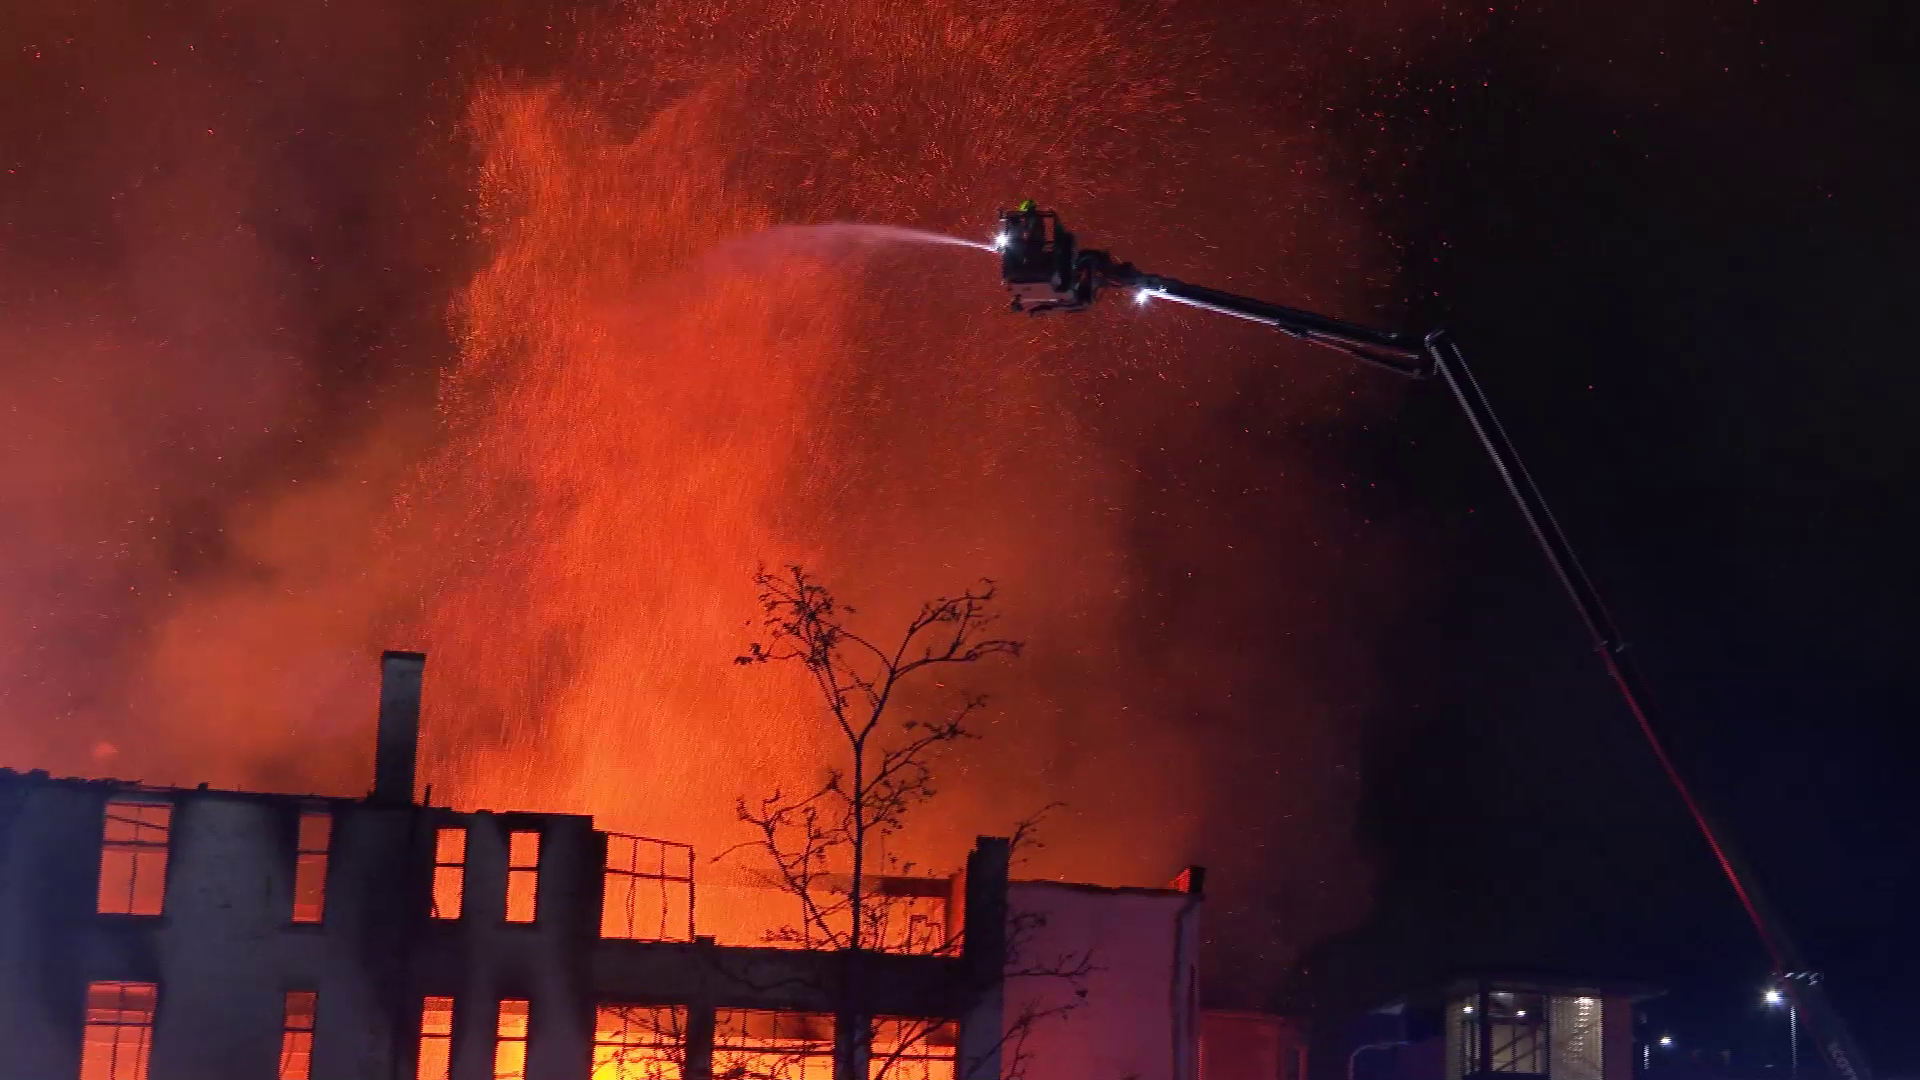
(640, 1042)
(648, 890)
(119, 1031)
(755, 1045)
(906, 915)
(510, 1041)
(913, 1050)
(133, 856)
(449, 872)
(310, 866)
(523, 875)
(436, 1039)
(296, 1036)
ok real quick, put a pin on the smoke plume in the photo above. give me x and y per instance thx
(315, 349)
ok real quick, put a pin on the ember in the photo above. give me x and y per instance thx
(659, 383)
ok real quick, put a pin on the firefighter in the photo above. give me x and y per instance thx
(1033, 227)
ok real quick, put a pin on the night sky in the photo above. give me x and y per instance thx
(1686, 284)
(1676, 244)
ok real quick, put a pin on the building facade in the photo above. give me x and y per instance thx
(152, 933)
(193, 934)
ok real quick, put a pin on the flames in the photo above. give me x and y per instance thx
(649, 401)
(646, 399)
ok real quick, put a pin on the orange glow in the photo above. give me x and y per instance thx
(119, 1031)
(296, 1036)
(649, 403)
(510, 1041)
(637, 1042)
(523, 875)
(913, 1050)
(449, 872)
(133, 857)
(558, 481)
(436, 1039)
(310, 867)
(772, 1045)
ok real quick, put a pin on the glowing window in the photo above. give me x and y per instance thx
(449, 872)
(510, 1042)
(119, 1031)
(436, 1039)
(523, 875)
(773, 1045)
(913, 1050)
(310, 866)
(296, 1036)
(639, 1042)
(133, 857)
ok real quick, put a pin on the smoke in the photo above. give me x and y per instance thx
(234, 487)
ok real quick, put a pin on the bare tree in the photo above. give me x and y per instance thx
(821, 844)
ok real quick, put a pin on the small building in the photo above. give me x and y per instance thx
(1558, 1029)
(1504, 1027)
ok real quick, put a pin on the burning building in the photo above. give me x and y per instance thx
(151, 933)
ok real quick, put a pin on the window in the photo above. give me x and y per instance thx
(296, 1036)
(523, 875)
(436, 1039)
(133, 857)
(1515, 1027)
(913, 1050)
(648, 890)
(639, 1042)
(1577, 1032)
(119, 1031)
(772, 1045)
(449, 872)
(510, 1042)
(310, 866)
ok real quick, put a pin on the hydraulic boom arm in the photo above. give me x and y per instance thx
(1044, 272)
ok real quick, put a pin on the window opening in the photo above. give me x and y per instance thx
(449, 872)
(310, 866)
(647, 890)
(133, 857)
(436, 1039)
(913, 1050)
(640, 1042)
(119, 1031)
(296, 1036)
(759, 1045)
(510, 1041)
(523, 875)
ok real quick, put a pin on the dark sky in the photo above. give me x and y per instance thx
(1677, 245)
(1680, 253)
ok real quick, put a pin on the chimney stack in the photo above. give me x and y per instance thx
(399, 738)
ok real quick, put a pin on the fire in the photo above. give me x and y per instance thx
(644, 403)
(638, 423)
